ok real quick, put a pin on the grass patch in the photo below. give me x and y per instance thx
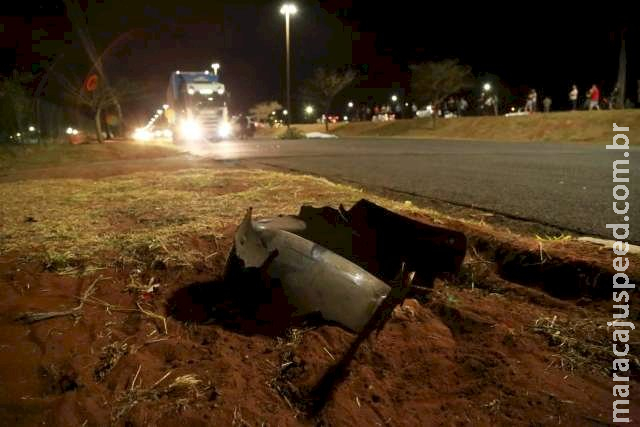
(584, 126)
(17, 156)
(581, 344)
(139, 219)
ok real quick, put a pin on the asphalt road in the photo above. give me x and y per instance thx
(565, 185)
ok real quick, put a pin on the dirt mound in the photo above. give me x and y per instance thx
(176, 344)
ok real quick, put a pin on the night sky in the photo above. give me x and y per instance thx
(525, 45)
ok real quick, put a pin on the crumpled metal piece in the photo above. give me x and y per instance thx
(378, 240)
(313, 278)
(336, 262)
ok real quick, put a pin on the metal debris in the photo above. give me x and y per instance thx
(335, 262)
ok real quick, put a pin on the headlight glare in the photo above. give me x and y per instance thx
(191, 129)
(224, 130)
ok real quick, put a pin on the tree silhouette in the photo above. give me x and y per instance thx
(433, 82)
(325, 85)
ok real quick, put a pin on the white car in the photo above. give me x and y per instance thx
(426, 111)
(520, 112)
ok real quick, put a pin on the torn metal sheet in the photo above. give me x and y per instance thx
(378, 239)
(335, 262)
(313, 278)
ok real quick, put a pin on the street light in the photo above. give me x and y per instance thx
(288, 9)
(494, 99)
(215, 67)
(394, 98)
(350, 104)
(308, 109)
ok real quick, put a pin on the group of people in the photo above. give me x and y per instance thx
(487, 104)
(592, 100)
(383, 112)
(532, 102)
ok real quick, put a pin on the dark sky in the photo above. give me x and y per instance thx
(524, 44)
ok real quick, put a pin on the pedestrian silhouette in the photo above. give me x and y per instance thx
(594, 98)
(573, 97)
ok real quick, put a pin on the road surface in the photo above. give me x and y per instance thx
(565, 185)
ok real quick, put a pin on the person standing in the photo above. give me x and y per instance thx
(573, 97)
(613, 99)
(594, 98)
(546, 103)
(587, 99)
(534, 100)
(528, 107)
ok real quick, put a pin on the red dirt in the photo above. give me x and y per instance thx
(462, 356)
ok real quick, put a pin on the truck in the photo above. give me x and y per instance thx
(197, 107)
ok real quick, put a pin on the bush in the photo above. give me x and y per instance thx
(292, 133)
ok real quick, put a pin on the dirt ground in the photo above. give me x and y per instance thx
(155, 337)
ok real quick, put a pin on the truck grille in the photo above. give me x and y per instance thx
(210, 120)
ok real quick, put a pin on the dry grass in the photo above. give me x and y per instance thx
(587, 126)
(109, 357)
(14, 156)
(33, 317)
(181, 391)
(581, 343)
(73, 226)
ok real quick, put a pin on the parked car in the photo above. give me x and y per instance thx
(425, 111)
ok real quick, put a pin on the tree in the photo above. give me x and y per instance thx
(325, 85)
(263, 110)
(79, 23)
(17, 102)
(104, 96)
(433, 82)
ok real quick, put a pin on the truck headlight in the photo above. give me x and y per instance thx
(191, 129)
(140, 134)
(224, 130)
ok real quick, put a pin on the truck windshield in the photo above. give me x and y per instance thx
(200, 101)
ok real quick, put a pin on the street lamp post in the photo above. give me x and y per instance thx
(288, 9)
(486, 90)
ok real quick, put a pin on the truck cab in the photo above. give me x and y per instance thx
(197, 107)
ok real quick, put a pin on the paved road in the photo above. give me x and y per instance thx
(566, 185)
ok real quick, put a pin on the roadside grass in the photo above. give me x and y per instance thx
(16, 156)
(75, 225)
(579, 126)
(581, 343)
(78, 226)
